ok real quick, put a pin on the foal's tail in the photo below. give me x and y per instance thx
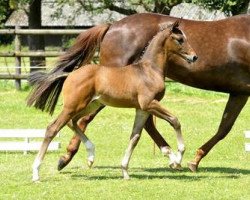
(48, 86)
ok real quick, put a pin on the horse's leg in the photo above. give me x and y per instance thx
(76, 141)
(51, 132)
(156, 136)
(231, 112)
(156, 109)
(140, 119)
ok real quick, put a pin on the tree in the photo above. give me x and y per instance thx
(227, 6)
(124, 7)
(157, 6)
(5, 12)
(36, 42)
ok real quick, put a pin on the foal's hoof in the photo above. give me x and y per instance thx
(61, 164)
(90, 163)
(35, 179)
(126, 177)
(176, 166)
(192, 166)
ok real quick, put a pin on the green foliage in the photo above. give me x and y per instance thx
(5, 11)
(227, 6)
(16, 4)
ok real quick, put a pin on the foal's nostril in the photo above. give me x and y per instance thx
(195, 58)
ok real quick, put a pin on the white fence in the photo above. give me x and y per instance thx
(26, 145)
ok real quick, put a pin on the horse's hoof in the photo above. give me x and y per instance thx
(90, 163)
(192, 166)
(61, 164)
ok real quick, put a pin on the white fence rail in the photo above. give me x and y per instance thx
(25, 145)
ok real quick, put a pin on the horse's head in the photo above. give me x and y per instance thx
(176, 45)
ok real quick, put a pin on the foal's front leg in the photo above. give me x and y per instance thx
(140, 119)
(156, 109)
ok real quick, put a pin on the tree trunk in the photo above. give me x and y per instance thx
(36, 42)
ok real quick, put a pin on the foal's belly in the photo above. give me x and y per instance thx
(124, 102)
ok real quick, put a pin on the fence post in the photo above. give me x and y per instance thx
(18, 59)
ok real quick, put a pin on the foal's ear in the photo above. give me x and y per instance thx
(170, 26)
(176, 24)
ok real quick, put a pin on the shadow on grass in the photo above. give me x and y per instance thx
(135, 173)
(151, 173)
(137, 176)
(224, 170)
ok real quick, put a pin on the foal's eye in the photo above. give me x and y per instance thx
(180, 41)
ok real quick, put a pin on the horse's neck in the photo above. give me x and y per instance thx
(155, 53)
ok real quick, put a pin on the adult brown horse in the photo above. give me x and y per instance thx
(92, 86)
(223, 48)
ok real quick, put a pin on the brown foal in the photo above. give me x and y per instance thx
(140, 86)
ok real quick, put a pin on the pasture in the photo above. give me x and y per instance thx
(223, 174)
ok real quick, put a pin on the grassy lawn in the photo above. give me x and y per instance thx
(223, 174)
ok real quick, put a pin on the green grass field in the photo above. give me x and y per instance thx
(223, 174)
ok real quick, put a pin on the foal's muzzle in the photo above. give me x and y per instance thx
(191, 58)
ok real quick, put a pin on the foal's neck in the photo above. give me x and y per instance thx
(155, 52)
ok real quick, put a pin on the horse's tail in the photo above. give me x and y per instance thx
(48, 86)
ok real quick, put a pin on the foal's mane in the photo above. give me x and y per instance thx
(161, 36)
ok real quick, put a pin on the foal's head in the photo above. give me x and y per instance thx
(170, 44)
(176, 46)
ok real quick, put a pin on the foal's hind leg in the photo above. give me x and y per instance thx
(74, 125)
(75, 140)
(51, 132)
(156, 136)
(156, 109)
(140, 119)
